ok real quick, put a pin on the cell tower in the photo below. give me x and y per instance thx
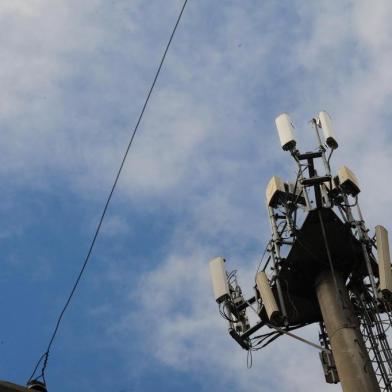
(319, 267)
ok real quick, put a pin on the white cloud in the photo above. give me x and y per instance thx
(356, 91)
(74, 81)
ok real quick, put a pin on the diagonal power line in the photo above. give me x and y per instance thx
(44, 358)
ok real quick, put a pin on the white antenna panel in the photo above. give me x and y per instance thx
(220, 284)
(384, 261)
(328, 131)
(285, 131)
(267, 296)
(348, 181)
(274, 189)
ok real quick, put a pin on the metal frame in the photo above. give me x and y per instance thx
(317, 193)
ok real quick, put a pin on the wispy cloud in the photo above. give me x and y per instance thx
(74, 76)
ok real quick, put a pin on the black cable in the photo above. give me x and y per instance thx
(270, 340)
(45, 356)
(226, 316)
(327, 248)
(262, 257)
(36, 367)
(257, 343)
(330, 156)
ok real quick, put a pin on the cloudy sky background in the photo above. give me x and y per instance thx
(73, 78)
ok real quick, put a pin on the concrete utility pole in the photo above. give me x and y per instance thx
(9, 387)
(318, 267)
(351, 357)
(33, 386)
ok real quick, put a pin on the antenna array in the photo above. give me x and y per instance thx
(319, 267)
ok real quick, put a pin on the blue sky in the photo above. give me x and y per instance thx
(73, 78)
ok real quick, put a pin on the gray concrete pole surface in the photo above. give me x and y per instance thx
(351, 357)
(9, 387)
(6, 386)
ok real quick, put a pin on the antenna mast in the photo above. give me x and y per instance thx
(319, 267)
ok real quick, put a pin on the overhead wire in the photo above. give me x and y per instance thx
(45, 356)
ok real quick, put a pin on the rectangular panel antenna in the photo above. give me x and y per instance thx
(267, 296)
(275, 189)
(384, 261)
(348, 181)
(219, 279)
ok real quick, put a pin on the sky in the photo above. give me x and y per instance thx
(73, 79)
